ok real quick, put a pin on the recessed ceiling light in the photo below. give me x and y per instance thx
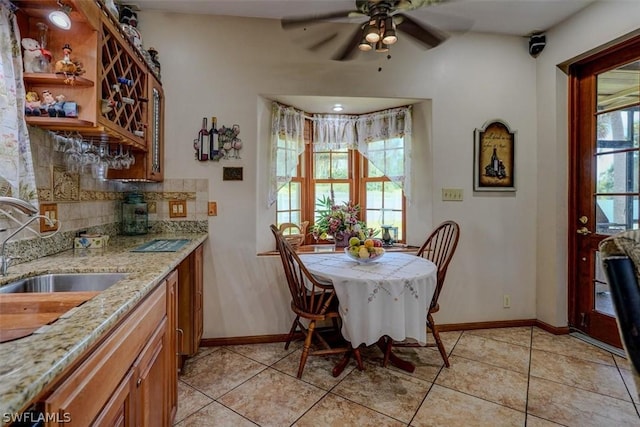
(60, 19)
(337, 108)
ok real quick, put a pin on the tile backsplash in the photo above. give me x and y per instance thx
(85, 203)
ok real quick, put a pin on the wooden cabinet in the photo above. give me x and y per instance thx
(119, 99)
(130, 379)
(190, 295)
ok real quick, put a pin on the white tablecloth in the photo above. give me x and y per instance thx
(389, 296)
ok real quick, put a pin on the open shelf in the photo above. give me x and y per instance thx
(54, 79)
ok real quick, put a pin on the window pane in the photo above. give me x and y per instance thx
(619, 87)
(392, 196)
(616, 173)
(282, 217)
(373, 171)
(618, 129)
(296, 195)
(282, 201)
(616, 213)
(321, 165)
(340, 166)
(341, 193)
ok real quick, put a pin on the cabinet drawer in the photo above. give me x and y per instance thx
(86, 391)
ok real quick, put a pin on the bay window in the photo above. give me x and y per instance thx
(363, 159)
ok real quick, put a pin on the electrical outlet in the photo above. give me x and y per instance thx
(506, 301)
(177, 208)
(452, 194)
(213, 209)
(50, 211)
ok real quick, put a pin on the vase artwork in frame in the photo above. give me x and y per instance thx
(494, 157)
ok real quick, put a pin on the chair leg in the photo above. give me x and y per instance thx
(387, 351)
(436, 336)
(307, 346)
(291, 332)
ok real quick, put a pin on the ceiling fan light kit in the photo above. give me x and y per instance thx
(384, 19)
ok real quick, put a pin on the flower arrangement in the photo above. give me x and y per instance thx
(338, 221)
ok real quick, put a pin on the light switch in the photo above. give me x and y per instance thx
(452, 194)
(177, 208)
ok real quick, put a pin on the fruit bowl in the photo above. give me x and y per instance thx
(355, 254)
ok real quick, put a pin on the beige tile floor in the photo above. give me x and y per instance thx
(498, 377)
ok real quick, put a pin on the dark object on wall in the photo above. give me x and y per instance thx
(232, 174)
(537, 42)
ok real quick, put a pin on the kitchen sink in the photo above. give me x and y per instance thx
(63, 282)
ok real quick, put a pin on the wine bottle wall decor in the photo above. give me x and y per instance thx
(213, 144)
(494, 157)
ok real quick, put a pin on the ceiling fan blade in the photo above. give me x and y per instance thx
(317, 45)
(425, 34)
(298, 21)
(349, 49)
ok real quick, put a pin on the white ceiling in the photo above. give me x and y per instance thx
(509, 17)
(515, 17)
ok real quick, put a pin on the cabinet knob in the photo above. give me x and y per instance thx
(138, 382)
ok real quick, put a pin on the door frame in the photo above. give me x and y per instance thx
(605, 60)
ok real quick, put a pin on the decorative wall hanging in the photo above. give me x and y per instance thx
(232, 174)
(494, 157)
(227, 146)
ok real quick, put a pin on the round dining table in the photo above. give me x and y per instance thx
(388, 297)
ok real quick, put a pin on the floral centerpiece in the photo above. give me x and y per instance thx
(339, 222)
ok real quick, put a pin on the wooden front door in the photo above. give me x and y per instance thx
(605, 172)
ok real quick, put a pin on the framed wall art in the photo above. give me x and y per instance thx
(231, 174)
(494, 157)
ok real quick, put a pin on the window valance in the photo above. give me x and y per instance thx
(383, 137)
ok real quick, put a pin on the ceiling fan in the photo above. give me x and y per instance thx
(384, 18)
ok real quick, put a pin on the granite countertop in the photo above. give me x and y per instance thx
(28, 365)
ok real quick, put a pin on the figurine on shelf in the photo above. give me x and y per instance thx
(68, 67)
(47, 102)
(56, 109)
(154, 58)
(32, 105)
(33, 56)
(65, 65)
(129, 23)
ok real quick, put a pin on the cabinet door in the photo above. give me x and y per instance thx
(151, 373)
(120, 409)
(172, 344)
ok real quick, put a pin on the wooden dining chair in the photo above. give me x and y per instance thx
(311, 299)
(439, 248)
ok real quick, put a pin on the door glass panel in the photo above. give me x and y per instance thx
(618, 88)
(616, 213)
(602, 294)
(617, 172)
(618, 129)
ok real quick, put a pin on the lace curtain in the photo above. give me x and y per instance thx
(287, 143)
(383, 137)
(17, 177)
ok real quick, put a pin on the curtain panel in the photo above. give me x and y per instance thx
(287, 143)
(384, 138)
(17, 178)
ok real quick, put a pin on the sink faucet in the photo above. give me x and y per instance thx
(26, 208)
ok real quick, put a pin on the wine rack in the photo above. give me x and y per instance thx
(123, 88)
